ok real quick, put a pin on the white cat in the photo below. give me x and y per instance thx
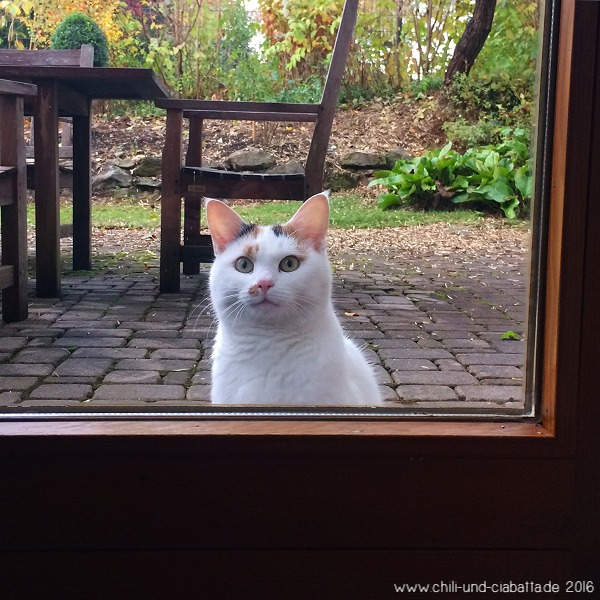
(278, 339)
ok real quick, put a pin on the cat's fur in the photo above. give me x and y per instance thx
(278, 339)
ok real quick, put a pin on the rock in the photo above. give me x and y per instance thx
(393, 156)
(147, 183)
(111, 177)
(341, 180)
(250, 159)
(288, 168)
(126, 163)
(149, 166)
(363, 160)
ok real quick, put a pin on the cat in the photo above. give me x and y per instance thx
(278, 340)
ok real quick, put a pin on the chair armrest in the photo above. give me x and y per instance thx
(230, 106)
(239, 115)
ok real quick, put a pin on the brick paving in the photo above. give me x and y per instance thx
(432, 325)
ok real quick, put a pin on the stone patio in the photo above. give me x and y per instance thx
(433, 326)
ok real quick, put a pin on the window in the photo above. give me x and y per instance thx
(345, 508)
(433, 323)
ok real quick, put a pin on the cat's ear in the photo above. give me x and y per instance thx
(223, 222)
(311, 221)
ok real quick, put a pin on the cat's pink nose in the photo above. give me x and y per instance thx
(264, 285)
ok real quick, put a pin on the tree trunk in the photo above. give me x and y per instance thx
(470, 44)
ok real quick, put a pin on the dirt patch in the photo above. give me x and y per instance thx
(377, 126)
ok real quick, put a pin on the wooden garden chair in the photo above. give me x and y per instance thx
(191, 181)
(13, 199)
(81, 57)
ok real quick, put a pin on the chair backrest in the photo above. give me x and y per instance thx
(81, 57)
(315, 162)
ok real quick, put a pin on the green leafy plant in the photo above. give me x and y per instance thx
(498, 176)
(510, 335)
(78, 29)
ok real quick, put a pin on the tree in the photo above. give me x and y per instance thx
(470, 44)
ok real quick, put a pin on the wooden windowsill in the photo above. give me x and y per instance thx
(269, 428)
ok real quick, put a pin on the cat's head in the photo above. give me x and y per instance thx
(270, 274)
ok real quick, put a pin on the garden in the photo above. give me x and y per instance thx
(442, 127)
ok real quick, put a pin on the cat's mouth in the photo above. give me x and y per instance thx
(264, 302)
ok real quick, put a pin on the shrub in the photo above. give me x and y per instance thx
(78, 29)
(498, 176)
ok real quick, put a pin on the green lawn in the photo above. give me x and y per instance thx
(346, 212)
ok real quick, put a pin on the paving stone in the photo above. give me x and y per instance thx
(449, 364)
(10, 344)
(398, 344)
(509, 346)
(430, 343)
(159, 364)
(10, 398)
(95, 332)
(9, 384)
(512, 381)
(114, 353)
(51, 403)
(177, 377)
(84, 367)
(177, 353)
(199, 393)
(35, 332)
(41, 355)
(201, 377)
(158, 333)
(90, 342)
(449, 378)
(493, 358)
(25, 369)
(80, 380)
(83, 315)
(494, 393)
(409, 364)
(122, 402)
(388, 394)
(457, 343)
(425, 392)
(40, 342)
(400, 354)
(100, 324)
(61, 391)
(162, 343)
(139, 392)
(365, 334)
(148, 326)
(495, 371)
(122, 376)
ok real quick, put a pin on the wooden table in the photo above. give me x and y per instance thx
(68, 91)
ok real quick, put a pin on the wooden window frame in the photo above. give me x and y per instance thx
(354, 506)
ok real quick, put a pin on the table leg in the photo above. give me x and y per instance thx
(170, 212)
(82, 192)
(47, 196)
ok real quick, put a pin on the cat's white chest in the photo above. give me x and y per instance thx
(317, 368)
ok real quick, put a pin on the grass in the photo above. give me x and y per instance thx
(119, 213)
(347, 212)
(356, 212)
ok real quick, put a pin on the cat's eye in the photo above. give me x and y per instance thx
(244, 265)
(289, 264)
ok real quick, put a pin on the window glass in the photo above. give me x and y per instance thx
(445, 310)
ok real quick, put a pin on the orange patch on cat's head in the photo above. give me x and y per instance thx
(251, 250)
